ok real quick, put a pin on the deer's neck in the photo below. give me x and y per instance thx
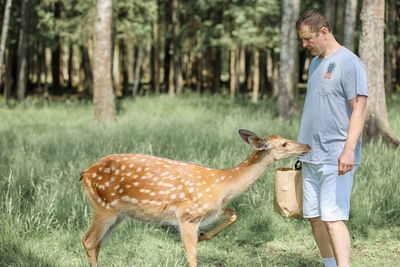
(245, 174)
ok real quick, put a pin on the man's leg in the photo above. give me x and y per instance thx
(321, 237)
(340, 241)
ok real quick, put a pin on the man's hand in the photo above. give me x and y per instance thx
(346, 161)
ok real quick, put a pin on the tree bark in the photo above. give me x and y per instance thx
(233, 80)
(56, 53)
(4, 31)
(178, 80)
(22, 78)
(377, 123)
(288, 58)
(256, 76)
(87, 70)
(350, 24)
(389, 45)
(103, 96)
(155, 55)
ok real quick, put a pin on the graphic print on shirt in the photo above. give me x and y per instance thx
(331, 68)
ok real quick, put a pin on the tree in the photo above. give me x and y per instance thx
(288, 57)
(23, 52)
(372, 17)
(103, 96)
(350, 24)
(4, 31)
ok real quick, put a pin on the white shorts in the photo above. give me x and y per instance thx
(325, 193)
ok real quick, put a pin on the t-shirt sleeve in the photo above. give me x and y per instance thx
(354, 79)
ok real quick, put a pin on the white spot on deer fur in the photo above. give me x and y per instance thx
(199, 195)
(217, 180)
(128, 174)
(134, 200)
(128, 186)
(143, 177)
(94, 174)
(130, 165)
(101, 168)
(146, 169)
(205, 206)
(200, 209)
(116, 172)
(166, 166)
(222, 178)
(212, 174)
(237, 168)
(116, 187)
(112, 194)
(173, 196)
(121, 191)
(256, 156)
(99, 178)
(139, 169)
(158, 163)
(102, 187)
(191, 190)
(208, 189)
(144, 201)
(152, 194)
(107, 184)
(196, 205)
(123, 167)
(135, 176)
(103, 204)
(180, 187)
(112, 179)
(125, 198)
(198, 184)
(208, 169)
(98, 200)
(114, 202)
(165, 173)
(190, 175)
(195, 199)
(107, 170)
(182, 195)
(122, 179)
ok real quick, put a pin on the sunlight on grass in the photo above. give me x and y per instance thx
(44, 213)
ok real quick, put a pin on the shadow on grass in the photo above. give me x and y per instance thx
(14, 255)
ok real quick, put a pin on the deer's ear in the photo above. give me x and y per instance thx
(245, 134)
(258, 143)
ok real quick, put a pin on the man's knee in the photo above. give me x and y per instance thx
(332, 226)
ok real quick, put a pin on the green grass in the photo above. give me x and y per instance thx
(44, 212)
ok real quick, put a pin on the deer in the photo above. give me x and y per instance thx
(179, 193)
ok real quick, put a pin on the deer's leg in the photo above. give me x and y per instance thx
(189, 238)
(230, 216)
(102, 226)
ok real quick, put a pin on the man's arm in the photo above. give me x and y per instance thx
(356, 126)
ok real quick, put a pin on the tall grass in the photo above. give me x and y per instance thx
(44, 214)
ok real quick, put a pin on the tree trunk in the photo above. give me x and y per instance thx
(70, 66)
(178, 81)
(56, 53)
(4, 31)
(233, 81)
(391, 16)
(372, 17)
(103, 96)
(125, 66)
(155, 55)
(87, 70)
(339, 20)
(350, 24)
(116, 70)
(22, 78)
(330, 14)
(256, 76)
(288, 58)
(263, 72)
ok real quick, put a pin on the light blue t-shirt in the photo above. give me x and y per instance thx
(332, 82)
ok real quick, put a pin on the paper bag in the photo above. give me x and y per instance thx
(288, 199)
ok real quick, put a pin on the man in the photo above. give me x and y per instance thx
(332, 124)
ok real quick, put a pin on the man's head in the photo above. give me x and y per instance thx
(314, 31)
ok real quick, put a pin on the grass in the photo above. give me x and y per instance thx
(44, 212)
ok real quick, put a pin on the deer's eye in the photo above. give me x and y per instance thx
(284, 144)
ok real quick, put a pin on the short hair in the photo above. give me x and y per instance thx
(313, 19)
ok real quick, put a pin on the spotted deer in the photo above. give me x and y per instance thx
(168, 191)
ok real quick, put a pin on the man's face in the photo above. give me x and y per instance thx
(315, 42)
